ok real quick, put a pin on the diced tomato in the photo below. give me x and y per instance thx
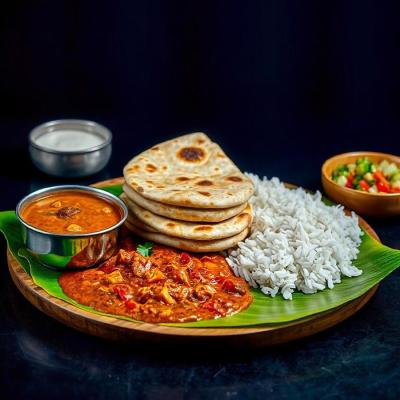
(393, 190)
(130, 305)
(349, 183)
(228, 286)
(211, 306)
(382, 187)
(378, 175)
(219, 279)
(120, 292)
(185, 258)
(194, 274)
(364, 185)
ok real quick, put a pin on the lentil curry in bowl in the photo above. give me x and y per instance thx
(71, 212)
(71, 226)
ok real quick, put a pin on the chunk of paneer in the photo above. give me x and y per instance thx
(154, 275)
(179, 274)
(143, 294)
(204, 292)
(180, 293)
(139, 265)
(125, 257)
(56, 204)
(74, 228)
(165, 296)
(115, 277)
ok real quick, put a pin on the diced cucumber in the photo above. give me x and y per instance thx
(383, 165)
(363, 165)
(342, 180)
(395, 177)
(373, 189)
(351, 167)
(391, 170)
(368, 177)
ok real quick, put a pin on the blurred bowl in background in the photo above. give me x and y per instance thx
(70, 147)
(364, 203)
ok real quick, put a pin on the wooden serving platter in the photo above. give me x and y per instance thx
(121, 330)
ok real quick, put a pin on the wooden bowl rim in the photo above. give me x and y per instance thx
(337, 157)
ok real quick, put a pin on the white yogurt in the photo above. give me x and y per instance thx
(69, 140)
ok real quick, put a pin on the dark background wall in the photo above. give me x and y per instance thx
(280, 84)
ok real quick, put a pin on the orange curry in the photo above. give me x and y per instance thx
(71, 212)
(166, 286)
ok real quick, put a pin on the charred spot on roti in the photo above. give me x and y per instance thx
(203, 228)
(234, 179)
(155, 148)
(160, 187)
(151, 168)
(192, 154)
(134, 168)
(200, 141)
(140, 189)
(182, 179)
(221, 155)
(171, 225)
(205, 194)
(150, 182)
(205, 183)
(186, 201)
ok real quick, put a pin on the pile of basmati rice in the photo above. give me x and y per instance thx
(297, 242)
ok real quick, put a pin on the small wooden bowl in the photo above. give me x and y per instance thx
(364, 203)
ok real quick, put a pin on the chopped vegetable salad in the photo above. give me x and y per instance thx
(369, 177)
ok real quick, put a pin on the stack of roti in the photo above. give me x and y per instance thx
(187, 193)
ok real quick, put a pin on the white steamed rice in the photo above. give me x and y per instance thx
(297, 242)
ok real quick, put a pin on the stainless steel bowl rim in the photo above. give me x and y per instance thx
(51, 189)
(79, 122)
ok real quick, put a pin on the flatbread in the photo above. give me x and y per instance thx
(189, 171)
(181, 213)
(193, 230)
(139, 224)
(195, 246)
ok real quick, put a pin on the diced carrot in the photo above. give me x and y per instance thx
(364, 185)
(382, 187)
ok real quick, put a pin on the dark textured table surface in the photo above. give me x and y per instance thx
(41, 358)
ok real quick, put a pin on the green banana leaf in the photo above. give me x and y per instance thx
(376, 260)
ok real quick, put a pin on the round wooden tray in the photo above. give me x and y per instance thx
(121, 330)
